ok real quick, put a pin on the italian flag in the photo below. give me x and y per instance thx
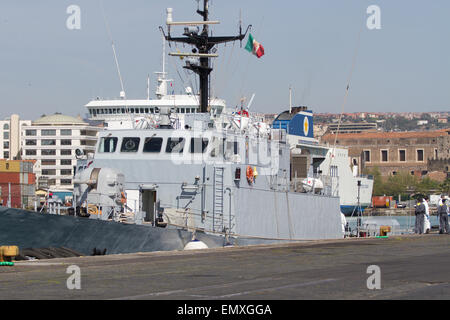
(254, 47)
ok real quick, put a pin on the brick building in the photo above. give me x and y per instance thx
(392, 152)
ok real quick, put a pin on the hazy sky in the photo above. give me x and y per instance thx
(404, 66)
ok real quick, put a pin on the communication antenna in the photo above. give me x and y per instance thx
(122, 93)
(290, 99)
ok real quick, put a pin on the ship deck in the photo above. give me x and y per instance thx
(412, 267)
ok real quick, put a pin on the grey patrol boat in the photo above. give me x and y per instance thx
(215, 177)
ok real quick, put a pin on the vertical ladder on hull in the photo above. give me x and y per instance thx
(218, 199)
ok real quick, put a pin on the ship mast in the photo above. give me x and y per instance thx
(203, 44)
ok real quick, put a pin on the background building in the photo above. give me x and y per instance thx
(10, 137)
(392, 152)
(52, 141)
(352, 127)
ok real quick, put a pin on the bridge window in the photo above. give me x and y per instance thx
(108, 144)
(153, 144)
(198, 145)
(130, 144)
(175, 145)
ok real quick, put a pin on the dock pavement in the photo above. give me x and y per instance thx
(409, 267)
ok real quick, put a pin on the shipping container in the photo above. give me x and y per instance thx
(25, 166)
(16, 197)
(9, 166)
(10, 177)
(382, 201)
(17, 177)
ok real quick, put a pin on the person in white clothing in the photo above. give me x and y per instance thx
(427, 223)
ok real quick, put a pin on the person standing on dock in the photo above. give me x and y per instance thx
(427, 222)
(420, 216)
(443, 217)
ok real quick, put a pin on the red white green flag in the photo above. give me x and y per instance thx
(254, 47)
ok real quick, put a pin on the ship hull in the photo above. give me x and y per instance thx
(292, 217)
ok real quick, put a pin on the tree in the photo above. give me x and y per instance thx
(445, 186)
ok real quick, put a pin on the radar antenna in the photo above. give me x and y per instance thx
(203, 43)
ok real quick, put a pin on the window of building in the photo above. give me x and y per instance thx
(65, 182)
(48, 142)
(6, 154)
(402, 155)
(48, 152)
(48, 172)
(48, 132)
(5, 144)
(66, 152)
(51, 182)
(435, 153)
(30, 142)
(384, 155)
(420, 155)
(334, 171)
(66, 162)
(108, 144)
(5, 135)
(153, 144)
(48, 162)
(30, 132)
(66, 142)
(66, 172)
(6, 126)
(130, 144)
(175, 145)
(198, 145)
(30, 152)
(66, 132)
(366, 155)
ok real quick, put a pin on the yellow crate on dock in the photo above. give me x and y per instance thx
(8, 252)
(384, 230)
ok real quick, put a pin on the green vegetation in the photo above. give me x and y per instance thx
(405, 184)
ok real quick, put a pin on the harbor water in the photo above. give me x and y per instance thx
(400, 224)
